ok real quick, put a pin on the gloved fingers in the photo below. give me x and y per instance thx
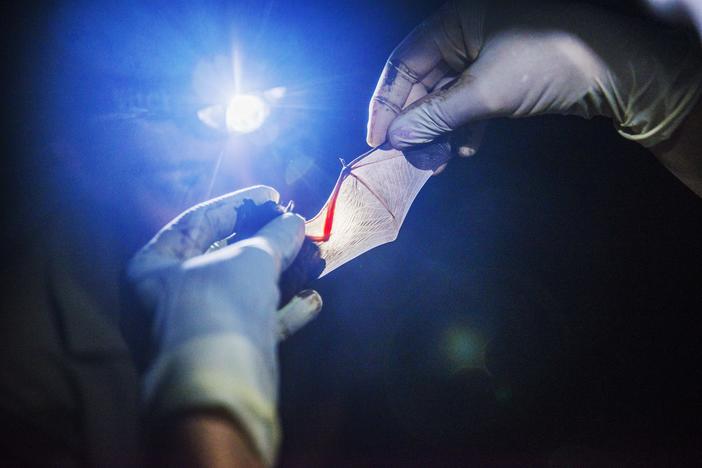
(421, 122)
(467, 139)
(417, 92)
(283, 236)
(487, 89)
(423, 57)
(679, 9)
(392, 93)
(673, 9)
(191, 233)
(301, 309)
(440, 169)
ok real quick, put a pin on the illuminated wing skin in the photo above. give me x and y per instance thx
(367, 206)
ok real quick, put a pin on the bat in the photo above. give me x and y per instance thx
(366, 208)
(370, 200)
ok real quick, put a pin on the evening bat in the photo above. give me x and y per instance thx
(370, 200)
(366, 209)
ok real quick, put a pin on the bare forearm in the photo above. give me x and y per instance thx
(204, 439)
(682, 154)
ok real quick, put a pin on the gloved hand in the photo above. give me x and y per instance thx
(215, 324)
(516, 59)
(690, 9)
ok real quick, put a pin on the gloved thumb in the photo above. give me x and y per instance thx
(284, 236)
(298, 312)
(436, 114)
(516, 75)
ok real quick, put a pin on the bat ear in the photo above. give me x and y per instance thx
(429, 156)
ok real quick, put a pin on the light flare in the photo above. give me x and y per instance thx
(245, 113)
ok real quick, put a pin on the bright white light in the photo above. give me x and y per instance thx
(245, 113)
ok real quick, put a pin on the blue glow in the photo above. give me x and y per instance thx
(464, 348)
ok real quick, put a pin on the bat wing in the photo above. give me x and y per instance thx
(367, 206)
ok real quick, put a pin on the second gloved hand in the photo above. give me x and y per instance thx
(215, 326)
(518, 59)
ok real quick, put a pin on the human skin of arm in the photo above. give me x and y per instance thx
(204, 439)
(681, 154)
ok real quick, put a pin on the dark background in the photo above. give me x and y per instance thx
(539, 306)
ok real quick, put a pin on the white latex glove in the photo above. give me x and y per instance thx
(519, 59)
(215, 321)
(691, 9)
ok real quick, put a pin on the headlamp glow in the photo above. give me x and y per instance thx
(245, 113)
